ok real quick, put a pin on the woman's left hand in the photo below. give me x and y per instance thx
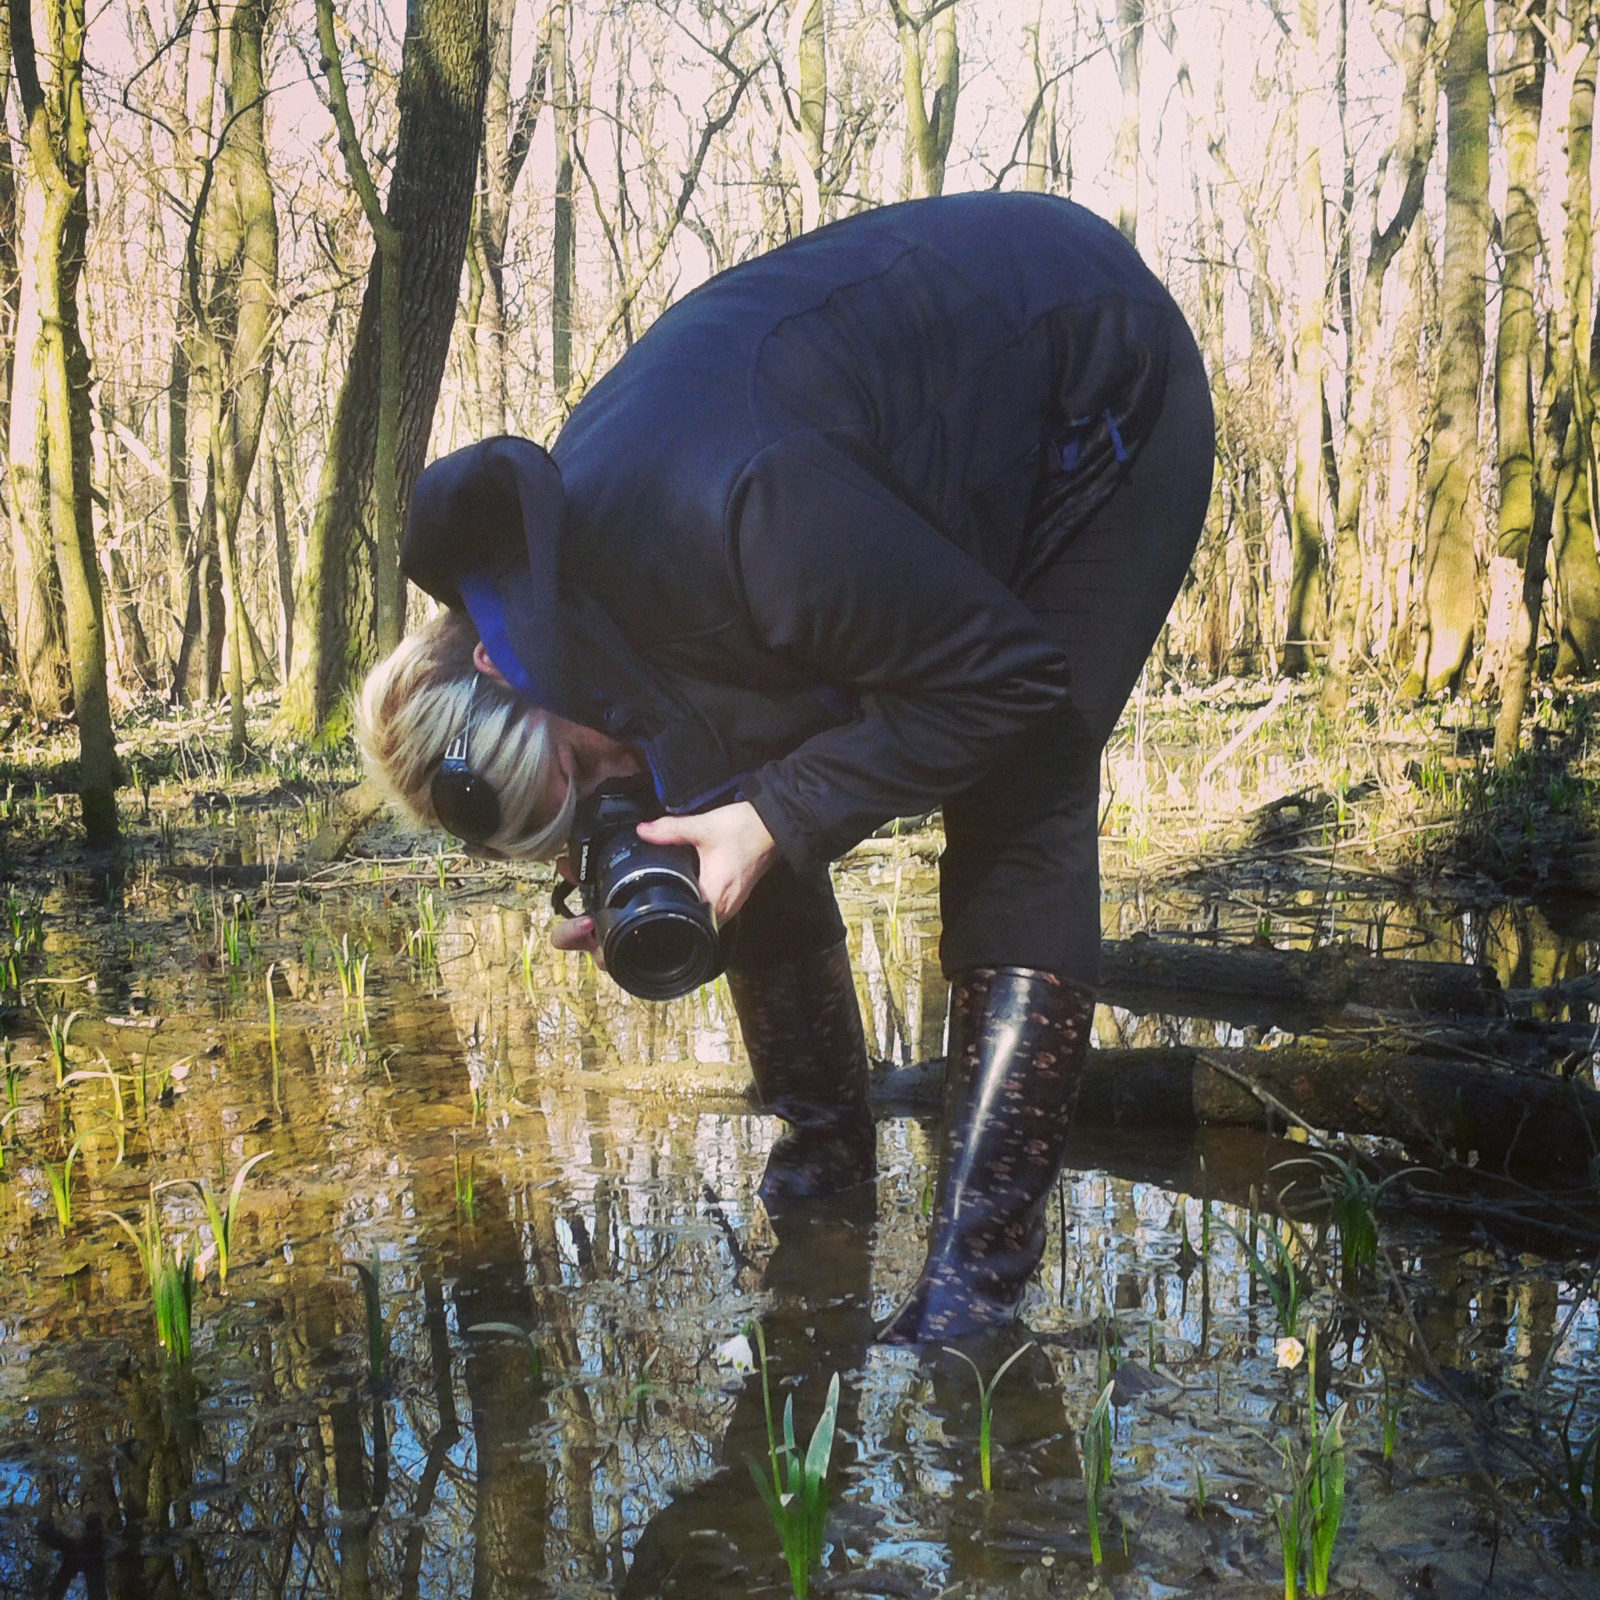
(734, 848)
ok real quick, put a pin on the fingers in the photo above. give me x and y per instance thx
(671, 830)
(574, 933)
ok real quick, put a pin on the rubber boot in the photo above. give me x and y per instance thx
(1017, 1044)
(808, 1055)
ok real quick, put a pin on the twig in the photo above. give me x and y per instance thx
(1318, 1138)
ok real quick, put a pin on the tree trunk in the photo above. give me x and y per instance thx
(444, 70)
(930, 56)
(58, 145)
(1125, 152)
(236, 237)
(283, 550)
(1521, 102)
(562, 232)
(1577, 572)
(1413, 149)
(508, 131)
(805, 135)
(1448, 610)
(1535, 1127)
(1306, 613)
(39, 638)
(1039, 158)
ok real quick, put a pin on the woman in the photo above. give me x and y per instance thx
(884, 521)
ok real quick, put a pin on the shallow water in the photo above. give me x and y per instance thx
(504, 1138)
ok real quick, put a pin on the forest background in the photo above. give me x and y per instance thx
(261, 259)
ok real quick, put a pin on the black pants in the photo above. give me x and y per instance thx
(1019, 878)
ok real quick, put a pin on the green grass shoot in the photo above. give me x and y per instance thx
(352, 969)
(1391, 1415)
(1289, 1510)
(796, 1498)
(1097, 1466)
(986, 1404)
(59, 1029)
(222, 1218)
(466, 1188)
(58, 1175)
(171, 1277)
(13, 1076)
(424, 938)
(1199, 1491)
(1582, 1462)
(377, 1334)
(1275, 1269)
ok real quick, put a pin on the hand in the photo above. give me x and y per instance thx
(734, 848)
(575, 933)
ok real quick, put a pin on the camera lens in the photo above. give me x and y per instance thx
(660, 942)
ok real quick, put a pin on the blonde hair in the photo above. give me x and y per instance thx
(414, 703)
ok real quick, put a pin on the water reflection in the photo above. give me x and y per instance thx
(526, 1152)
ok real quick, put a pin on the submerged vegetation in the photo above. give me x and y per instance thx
(396, 1028)
(795, 1487)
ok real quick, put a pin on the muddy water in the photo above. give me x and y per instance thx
(505, 1142)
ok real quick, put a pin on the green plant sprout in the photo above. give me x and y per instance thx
(1391, 1415)
(1325, 1466)
(13, 1076)
(232, 932)
(352, 970)
(1200, 1501)
(1309, 1516)
(171, 1277)
(509, 1330)
(986, 1404)
(377, 1335)
(1276, 1270)
(530, 949)
(5, 1122)
(1289, 1511)
(118, 1116)
(797, 1497)
(424, 938)
(1097, 1466)
(466, 1190)
(1581, 1464)
(272, 1038)
(58, 1175)
(222, 1219)
(59, 1030)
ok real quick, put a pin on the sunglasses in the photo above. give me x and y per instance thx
(463, 800)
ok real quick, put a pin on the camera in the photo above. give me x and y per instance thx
(658, 937)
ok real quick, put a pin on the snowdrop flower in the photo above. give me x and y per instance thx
(737, 1354)
(1290, 1352)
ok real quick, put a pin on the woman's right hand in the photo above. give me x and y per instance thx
(575, 933)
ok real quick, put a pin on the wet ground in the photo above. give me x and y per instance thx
(551, 1192)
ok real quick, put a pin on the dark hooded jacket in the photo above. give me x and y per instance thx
(779, 545)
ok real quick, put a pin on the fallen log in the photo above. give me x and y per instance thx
(1535, 1127)
(1296, 990)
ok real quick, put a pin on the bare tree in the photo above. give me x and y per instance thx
(444, 74)
(1449, 601)
(1307, 607)
(53, 379)
(1125, 153)
(930, 58)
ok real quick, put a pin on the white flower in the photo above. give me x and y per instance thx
(736, 1354)
(1290, 1352)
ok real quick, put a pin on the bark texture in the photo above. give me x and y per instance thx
(1449, 602)
(444, 74)
(58, 147)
